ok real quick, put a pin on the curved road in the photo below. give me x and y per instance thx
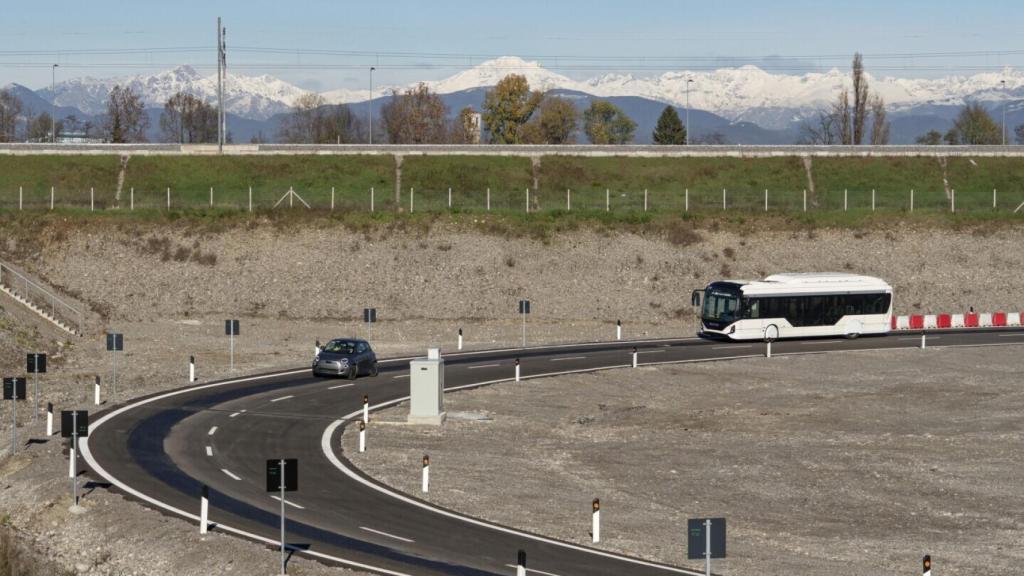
(161, 449)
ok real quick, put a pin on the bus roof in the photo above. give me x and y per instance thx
(814, 282)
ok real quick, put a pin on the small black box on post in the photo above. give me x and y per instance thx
(14, 389)
(291, 475)
(524, 306)
(696, 538)
(67, 423)
(115, 342)
(231, 327)
(36, 363)
(370, 315)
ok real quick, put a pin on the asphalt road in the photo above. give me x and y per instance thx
(163, 448)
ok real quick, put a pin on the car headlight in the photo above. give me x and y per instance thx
(316, 359)
(343, 361)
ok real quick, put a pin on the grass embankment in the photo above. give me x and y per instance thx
(672, 184)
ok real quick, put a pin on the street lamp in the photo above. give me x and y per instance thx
(1004, 82)
(686, 138)
(53, 104)
(371, 104)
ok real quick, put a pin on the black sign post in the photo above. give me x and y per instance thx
(231, 330)
(705, 538)
(369, 318)
(283, 476)
(74, 424)
(115, 344)
(14, 390)
(524, 309)
(36, 365)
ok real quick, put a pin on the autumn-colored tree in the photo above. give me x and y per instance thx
(417, 116)
(669, 130)
(187, 119)
(466, 127)
(606, 123)
(556, 123)
(508, 108)
(126, 119)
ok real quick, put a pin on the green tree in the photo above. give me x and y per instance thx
(508, 108)
(556, 123)
(974, 126)
(606, 123)
(930, 138)
(670, 129)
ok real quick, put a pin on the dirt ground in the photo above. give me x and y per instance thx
(860, 460)
(169, 286)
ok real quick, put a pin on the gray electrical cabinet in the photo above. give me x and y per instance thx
(426, 389)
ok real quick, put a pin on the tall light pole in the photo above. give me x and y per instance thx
(53, 104)
(370, 113)
(686, 139)
(1003, 82)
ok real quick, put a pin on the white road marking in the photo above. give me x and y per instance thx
(483, 366)
(731, 346)
(386, 534)
(918, 338)
(399, 376)
(649, 351)
(228, 472)
(235, 414)
(209, 450)
(1018, 335)
(567, 358)
(528, 570)
(815, 342)
(212, 431)
(278, 498)
(341, 386)
(282, 398)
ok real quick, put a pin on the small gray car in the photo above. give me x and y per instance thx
(345, 357)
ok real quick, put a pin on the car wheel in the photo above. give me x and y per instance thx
(316, 374)
(353, 372)
(374, 370)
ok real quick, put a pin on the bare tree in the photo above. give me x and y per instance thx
(841, 112)
(126, 119)
(10, 109)
(860, 99)
(417, 116)
(187, 119)
(879, 124)
(313, 121)
(820, 131)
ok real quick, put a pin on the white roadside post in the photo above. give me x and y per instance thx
(686, 205)
(521, 563)
(805, 200)
(131, 201)
(362, 436)
(846, 195)
(191, 369)
(568, 200)
(768, 350)
(20, 198)
(204, 509)
(872, 199)
(952, 200)
(92, 200)
(488, 199)
(51, 197)
(634, 357)
(765, 199)
(372, 199)
(595, 529)
(168, 198)
(366, 408)
(723, 198)
(426, 473)
(924, 343)
(49, 418)
(96, 394)
(926, 565)
(412, 200)
(449, 198)
(911, 199)
(250, 198)
(211, 196)
(460, 338)
(645, 199)
(618, 329)
(993, 198)
(607, 200)
(527, 200)
(517, 369)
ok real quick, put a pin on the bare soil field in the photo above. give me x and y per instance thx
(860, 461)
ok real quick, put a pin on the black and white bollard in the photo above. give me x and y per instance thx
(362, 436)
(460, 338)
(517, 369)
(924, 343)
(596, 524)
(768, 350)
(49, 418)
(521, 563)
(634, 357)
(618, 329)
(366, 409)
(204, 509)
(926, 565)
(71, 462)
(191, 369)
(96, 394)
(426, 473)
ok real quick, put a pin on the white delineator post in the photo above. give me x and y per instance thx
(51, 197)
(952, 200)
(911, 199)
(768, 350)
(618, 329)
(372, 199)
(517, 369)
(924, 343)
(96, 394)
(191, 369)
(595, 529)
(426, 473)
(845, 196)
(250, 198)
(765, 199)
(412, 199)
(204, 509)
(645, 199)
(521, 563)
(805, 200)
(168, 198)
(49, 418)
(449, 198)
(92, 200)
(527, 200)
(686, 205)
(607, 200)
(211, 196)
(332, 198)
(723, 198)
(131, 201)
(568, 200)
(488, 199)
(460, 338)
(366, 408)
(634, 357)
(872, 199)
(362, 436)
(926, 565)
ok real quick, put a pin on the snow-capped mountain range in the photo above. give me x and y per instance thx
(746, 93)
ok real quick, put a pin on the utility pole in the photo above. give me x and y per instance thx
(1003, 82)
(686, 138)
(53, 105)
(371, 104)
(220, 86)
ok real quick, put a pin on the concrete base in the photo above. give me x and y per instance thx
(76, 509)
(428, 420)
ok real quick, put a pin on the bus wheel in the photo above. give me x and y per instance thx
(771, 332)
(853, 330)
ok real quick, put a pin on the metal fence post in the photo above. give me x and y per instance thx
(805, 199)
(92, 200)
(371, 198)
(332, 198)
(845, 196)
(687, 200)
(488, 199)
(131, 205)
(168, 197)
(723, 198)
(51, 197)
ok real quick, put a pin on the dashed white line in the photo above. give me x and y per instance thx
(209, 450)
(567, 358)
(234, 414)
(341, 386)
(649, 351)
(386, 534)
(1017, 335)
(278, 498)
(731, 347)
(918, 338)
(212, 431)
(815, 342)
(228, 472)
(528, 570)
(282, 398)
(483, 366)
(399, 376)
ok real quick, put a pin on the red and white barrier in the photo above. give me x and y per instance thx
(931, 321)
(1013, 319)
(985, 320)
(967, 320)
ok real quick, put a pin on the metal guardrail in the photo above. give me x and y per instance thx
(41, 297)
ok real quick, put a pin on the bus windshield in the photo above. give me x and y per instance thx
(719, 305)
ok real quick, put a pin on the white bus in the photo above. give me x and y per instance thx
(795, 306)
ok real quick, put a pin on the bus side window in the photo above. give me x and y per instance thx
(753, 308)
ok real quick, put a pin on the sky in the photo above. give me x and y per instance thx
(408, 40)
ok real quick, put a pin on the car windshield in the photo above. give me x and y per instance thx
(720, 305)
(340, 347)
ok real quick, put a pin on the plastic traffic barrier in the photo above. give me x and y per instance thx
(985, 319)
(931, 321)
(944, 321)
(971, 320)
(958, 320)
(893, 318)
(999, 318)
(916, 321)
(902, 322)
(1013, 319)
